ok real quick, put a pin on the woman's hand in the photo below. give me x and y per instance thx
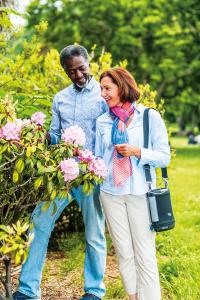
(128, 150)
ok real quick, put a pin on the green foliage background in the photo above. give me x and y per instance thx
(158, 38)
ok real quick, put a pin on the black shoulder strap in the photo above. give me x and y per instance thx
(146, 144)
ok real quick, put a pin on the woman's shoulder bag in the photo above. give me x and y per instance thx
(159, 200)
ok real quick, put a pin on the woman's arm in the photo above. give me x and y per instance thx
(98, 142)
(159, 153)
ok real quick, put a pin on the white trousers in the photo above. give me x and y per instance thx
(128, 222)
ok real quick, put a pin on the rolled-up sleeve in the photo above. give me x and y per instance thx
(158, 154)
(55, 128)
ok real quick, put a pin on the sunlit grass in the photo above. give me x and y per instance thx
(179, 249)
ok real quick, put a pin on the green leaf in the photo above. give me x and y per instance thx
(3, 248)
(15, 176)
(84, 167)
(45, 102)
(24, 227)
(85, 187)
(17, 258)
(14, 147)
(29, 161)
(49, 169)
(41, 170)
(28, 151)
(91, 187)
(49, 186)
(39, 164)
(69, 152)
(69, 197)
(4, 148)
(54, 208)
(46, 205)
(40, 146)
(31, 227)
(86, 176)
(33, 149)
(3, 235)
(19, 165)
(60, 177)
(63, 195)
(38, 183)
(25, 256)
(12, 248)
(4, 228)
(53, 194)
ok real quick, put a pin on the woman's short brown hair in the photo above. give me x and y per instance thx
(128, 89)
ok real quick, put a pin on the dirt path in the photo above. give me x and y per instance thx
(57, 286)
(69, 287)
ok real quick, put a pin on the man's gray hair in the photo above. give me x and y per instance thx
(71, 51)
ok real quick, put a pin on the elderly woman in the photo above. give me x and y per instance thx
(119, 141)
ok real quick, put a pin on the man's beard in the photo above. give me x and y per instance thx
(84, 85)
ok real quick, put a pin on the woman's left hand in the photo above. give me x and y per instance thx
(128, 150)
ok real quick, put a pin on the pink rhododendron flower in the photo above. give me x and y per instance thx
(23, 122)
(74, 135)
(11, 131)
(27, 122)
(18, 122)
(1, 133)
(85, 155)
(38, 118)
(70, 168)
(98, 167)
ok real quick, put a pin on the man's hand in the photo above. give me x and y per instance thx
(128, 150)
(48, 137)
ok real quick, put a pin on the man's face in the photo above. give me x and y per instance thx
(78, 70)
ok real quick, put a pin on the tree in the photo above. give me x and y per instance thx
(158, 38)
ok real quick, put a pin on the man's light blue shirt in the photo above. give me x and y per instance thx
(82, 108)
(157, 155)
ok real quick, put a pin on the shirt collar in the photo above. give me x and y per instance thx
(139, 107)
(88, 86)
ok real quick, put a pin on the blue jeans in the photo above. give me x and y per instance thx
(95, 256)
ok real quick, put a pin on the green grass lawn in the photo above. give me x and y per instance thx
(178, 250)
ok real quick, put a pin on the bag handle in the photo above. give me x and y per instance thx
(146, 144)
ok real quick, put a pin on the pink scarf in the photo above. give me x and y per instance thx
(122, 168)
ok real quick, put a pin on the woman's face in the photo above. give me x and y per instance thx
(110, 92)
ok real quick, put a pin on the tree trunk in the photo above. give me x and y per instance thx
(6, 281)
(181, 124)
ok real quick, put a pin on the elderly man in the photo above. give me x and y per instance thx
(79, 104)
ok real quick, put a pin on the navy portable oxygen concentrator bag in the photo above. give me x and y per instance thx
(159, 200)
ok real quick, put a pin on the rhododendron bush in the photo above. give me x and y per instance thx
(32, 171)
